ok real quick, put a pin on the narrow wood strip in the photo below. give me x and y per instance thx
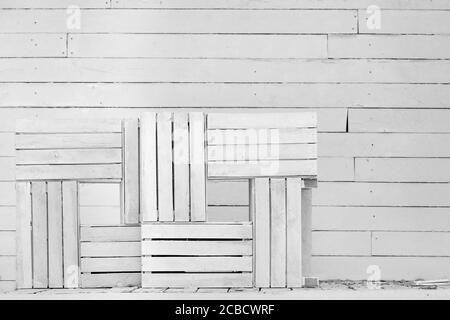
(278, 233)
(40, 249)
(165, 178)
(197, 264)
(70, 234)
(131, 170)
(55, 235)
(181, 166)
(24, 273)
(197, 231)
(197, 248)
(189, 280)
(262, 232)
(294, 232)
(198, 166)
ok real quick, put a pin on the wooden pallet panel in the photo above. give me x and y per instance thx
(55, 235)
(148, 170)
(40, 240)
(24, 269)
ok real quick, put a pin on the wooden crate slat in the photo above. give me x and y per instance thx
(181, 166)
(165, 178)
(197, 163)
(105, 280)
(278, 232)
(197, 264)
(306, 232)
(293, 232)
(261, 225)
(67, 156)
(148, 173)
(88, 125)
(197, 231)
(262, 120)
(198, 248)
(261, 136)
(131, 170)
(186, 280)
(70, 233)
(108, 264)
(40, 251)
(68, 141)
(55, 235)
(274, 168)
(110, 249)
(72, 172)
(24, 272)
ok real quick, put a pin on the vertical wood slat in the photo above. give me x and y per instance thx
(131, 170)
(261, 225)
(306, 231)
(278, 233)
(198, 166)
(55, 241)
(70, 234)
(24, 272)
(293, 232)
(181, 166)
(148, 173)
(165, 183)
(40, 251)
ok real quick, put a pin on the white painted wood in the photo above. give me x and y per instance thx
(49, 172)
(331, 243)
(99, 194)
(110, 249)
(233, 70)
(409, 22)
(384, 145)
(68, 126)
(307, 202)
(68, 141)
(7, 191)
(197, 46)
(380, 219)
(388, 120)
(70, 233)
(261, 136)
(392, 268)
(262, 232)
(189, 21)
(105, 280)
(106, 264)
(8, 216)
(148, 173)
(293, 232)
(250, 169)
(67, 156)
(7, 172)
(402, 170)
(116, 233)
(382, 194)
(280, 4)
(197, 248)
(262, 120)
(39, 234)
(336, 169)
(227, 213)
(197, 264)
(98, 216)
(246, 152)
(53, 4)
(8, 268)
(219, 97)
(197, 231)
(181, 166)
(197, 166)
(231, 193)
(24, 269)
(33, 45)
(207, 280)
(55, 234)
(411, 244)
(131, 170)
(7, 243)
(277, 233)
(165, 166)
(389, 47)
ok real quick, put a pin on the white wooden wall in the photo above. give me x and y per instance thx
(382, 96)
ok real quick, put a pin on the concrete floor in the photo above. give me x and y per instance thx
(329, 290)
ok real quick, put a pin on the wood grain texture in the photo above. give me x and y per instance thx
(70, 234)
(181, 167)
(197, 231)
(55, 234)
(197, 165)
(165, 167)
(108, 280)
(207, 280)
(117, 233)
(39, 234)
(261, 231)
(198, 248)
(33, 45)
(277, 233)
(24, 268)
(293, 232)
(131, 170)
(197, 264)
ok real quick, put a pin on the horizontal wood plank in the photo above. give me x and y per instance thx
(101, 234)
(68, 126)
(197, 46)
(262, 121)
(227, 213)
(108, 280)
(67, 156)
(7, 243)
(7, 166)
(63, 171)
(68, 141)
(33, 45)
(99, 194)
(188, 21)
(53, 4)
(110, 249)
(8, 192)
(8, 218)
(254, 152)
(228, 193)
(261, 136)
(197, 248)
(106, 264)
(331, 243)
(197, 264)
(100, 216)
(186, 280)
(197, 231)
(7, 268)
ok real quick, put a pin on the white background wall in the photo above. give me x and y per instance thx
(382, 96)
